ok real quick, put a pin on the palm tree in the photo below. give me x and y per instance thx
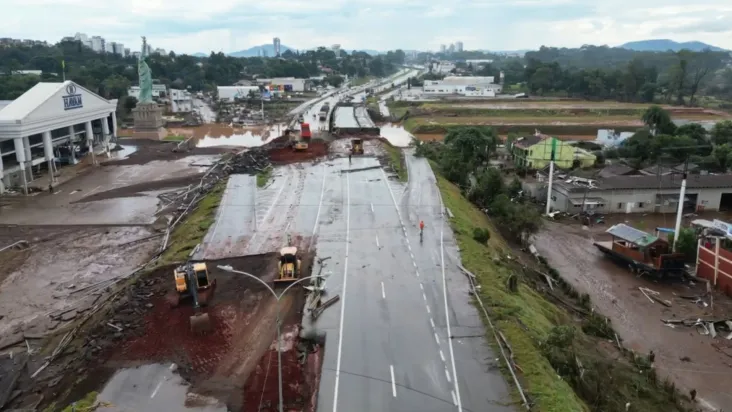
(656, 118)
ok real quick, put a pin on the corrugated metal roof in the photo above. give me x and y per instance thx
(30, 100)
(666, 182)
(631, 234)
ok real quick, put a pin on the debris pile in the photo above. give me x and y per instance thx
(252, 161)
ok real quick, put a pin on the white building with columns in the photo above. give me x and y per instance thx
(49, 122)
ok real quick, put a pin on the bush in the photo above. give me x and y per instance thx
(481, 235)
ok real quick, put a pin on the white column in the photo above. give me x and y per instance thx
(115, 132)
(90, 140)
(2, 175)
(20, 157)
(28, 159)
(105, 132)
(71, 144)
(48, 151)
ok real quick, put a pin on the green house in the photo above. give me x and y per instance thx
(535, 152)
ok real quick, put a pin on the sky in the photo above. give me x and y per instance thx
(190, 26)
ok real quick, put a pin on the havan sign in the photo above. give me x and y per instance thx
(72, 100)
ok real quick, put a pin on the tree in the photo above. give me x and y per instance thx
(694, 131)
(334, 80)
(723, 156)
(658, 120)
(722, 132)
(699, 67)
(116, 86)
(488, 185)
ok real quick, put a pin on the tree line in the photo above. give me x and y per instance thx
(110, 75)
(601, 72)
(463, 158)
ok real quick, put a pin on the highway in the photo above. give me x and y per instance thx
(404, 335)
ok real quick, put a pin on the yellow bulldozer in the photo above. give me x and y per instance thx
(192, 280)
(289, 266)
(357, 146)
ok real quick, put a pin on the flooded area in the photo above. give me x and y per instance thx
(244, 137)
(125, 150)
(692, 360)
(396, 135)
(154, 387)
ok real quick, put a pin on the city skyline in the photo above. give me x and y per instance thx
(192, 27)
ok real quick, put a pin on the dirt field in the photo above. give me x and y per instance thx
(286, 155)
(152, 150)
(692, 360)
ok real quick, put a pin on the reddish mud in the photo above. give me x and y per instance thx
(691, 360)
(287, 155)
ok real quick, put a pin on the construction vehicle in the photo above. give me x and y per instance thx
(357, 146)
(289, 265)
(192, 280)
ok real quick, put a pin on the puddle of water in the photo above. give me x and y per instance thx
(247, 137)
(396, 135)
(153, 387)
(126, 151)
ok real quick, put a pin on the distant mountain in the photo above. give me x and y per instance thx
(255, 51)
(662, 45)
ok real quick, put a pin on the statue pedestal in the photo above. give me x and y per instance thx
(148, 119)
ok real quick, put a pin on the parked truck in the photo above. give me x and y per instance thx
(324, 112)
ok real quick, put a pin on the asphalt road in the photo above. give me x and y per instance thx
(388, 339)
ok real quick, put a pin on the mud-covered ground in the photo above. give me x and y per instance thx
(692, 360)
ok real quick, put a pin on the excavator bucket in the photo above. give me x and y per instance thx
(200, 323)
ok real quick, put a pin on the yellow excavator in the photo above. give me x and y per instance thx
(289, 266)
(192, 280)
(357, 146)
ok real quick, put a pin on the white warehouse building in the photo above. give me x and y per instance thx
(465, 86)
(229, 93)
(48, 123)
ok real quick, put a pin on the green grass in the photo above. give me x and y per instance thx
(358, 81)
(396, 159)
(175, 138)
(264, 176)
(511, 312)
(193, 228)
(86, 404)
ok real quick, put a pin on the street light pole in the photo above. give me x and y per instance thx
(229, 268)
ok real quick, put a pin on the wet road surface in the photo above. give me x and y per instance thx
(151, 388)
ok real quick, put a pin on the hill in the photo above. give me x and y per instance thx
(662, 45)
(255, 51)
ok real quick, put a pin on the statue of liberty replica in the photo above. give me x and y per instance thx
(147, 114)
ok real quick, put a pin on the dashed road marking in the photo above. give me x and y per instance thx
(428, 308)
(157, 388)
(437, 338)
(432, 322)
(417, 272)
(372, 208)
(424, 296)
(447, 374)
(454, 399)
(442, 355)
(420, 285)
(377, 241)
(414, 263)
(383, 293)
(393, 383)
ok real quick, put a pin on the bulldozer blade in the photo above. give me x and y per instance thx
(284, 281)
(200, 323)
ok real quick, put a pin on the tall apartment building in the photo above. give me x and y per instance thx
(443, 48)
(276, 44)
(451, 49)
(126, 52)
(459, 46)
(116, 48)
(98, 44)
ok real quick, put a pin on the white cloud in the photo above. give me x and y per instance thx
(228, 25)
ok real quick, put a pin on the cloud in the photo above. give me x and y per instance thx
(189, 26)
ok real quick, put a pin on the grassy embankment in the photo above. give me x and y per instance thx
(193, 228)
(546, 339)
(264, 176)
(358, 81)
(397, 162)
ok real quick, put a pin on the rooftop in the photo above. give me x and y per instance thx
(643, 182)
(529, 141)
(631, 234)
(30, 100)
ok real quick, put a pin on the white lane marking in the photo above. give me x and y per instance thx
(320, 205)
(447, 374)
(432, 322)
(343, 300)
(409, 246)
(424, 296)
(172, 366)
(447, 310)
(420, 285)
(442, 355)
(383, 293)
(372, 208)
(393, 383)
(412, 255)
(269, 211)
(377, 241)
(157, 388)
(55, 193)
(437, 338)
(414, 263)
(454, 399)
(428, 308)
(288, 226)
(417, 272)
